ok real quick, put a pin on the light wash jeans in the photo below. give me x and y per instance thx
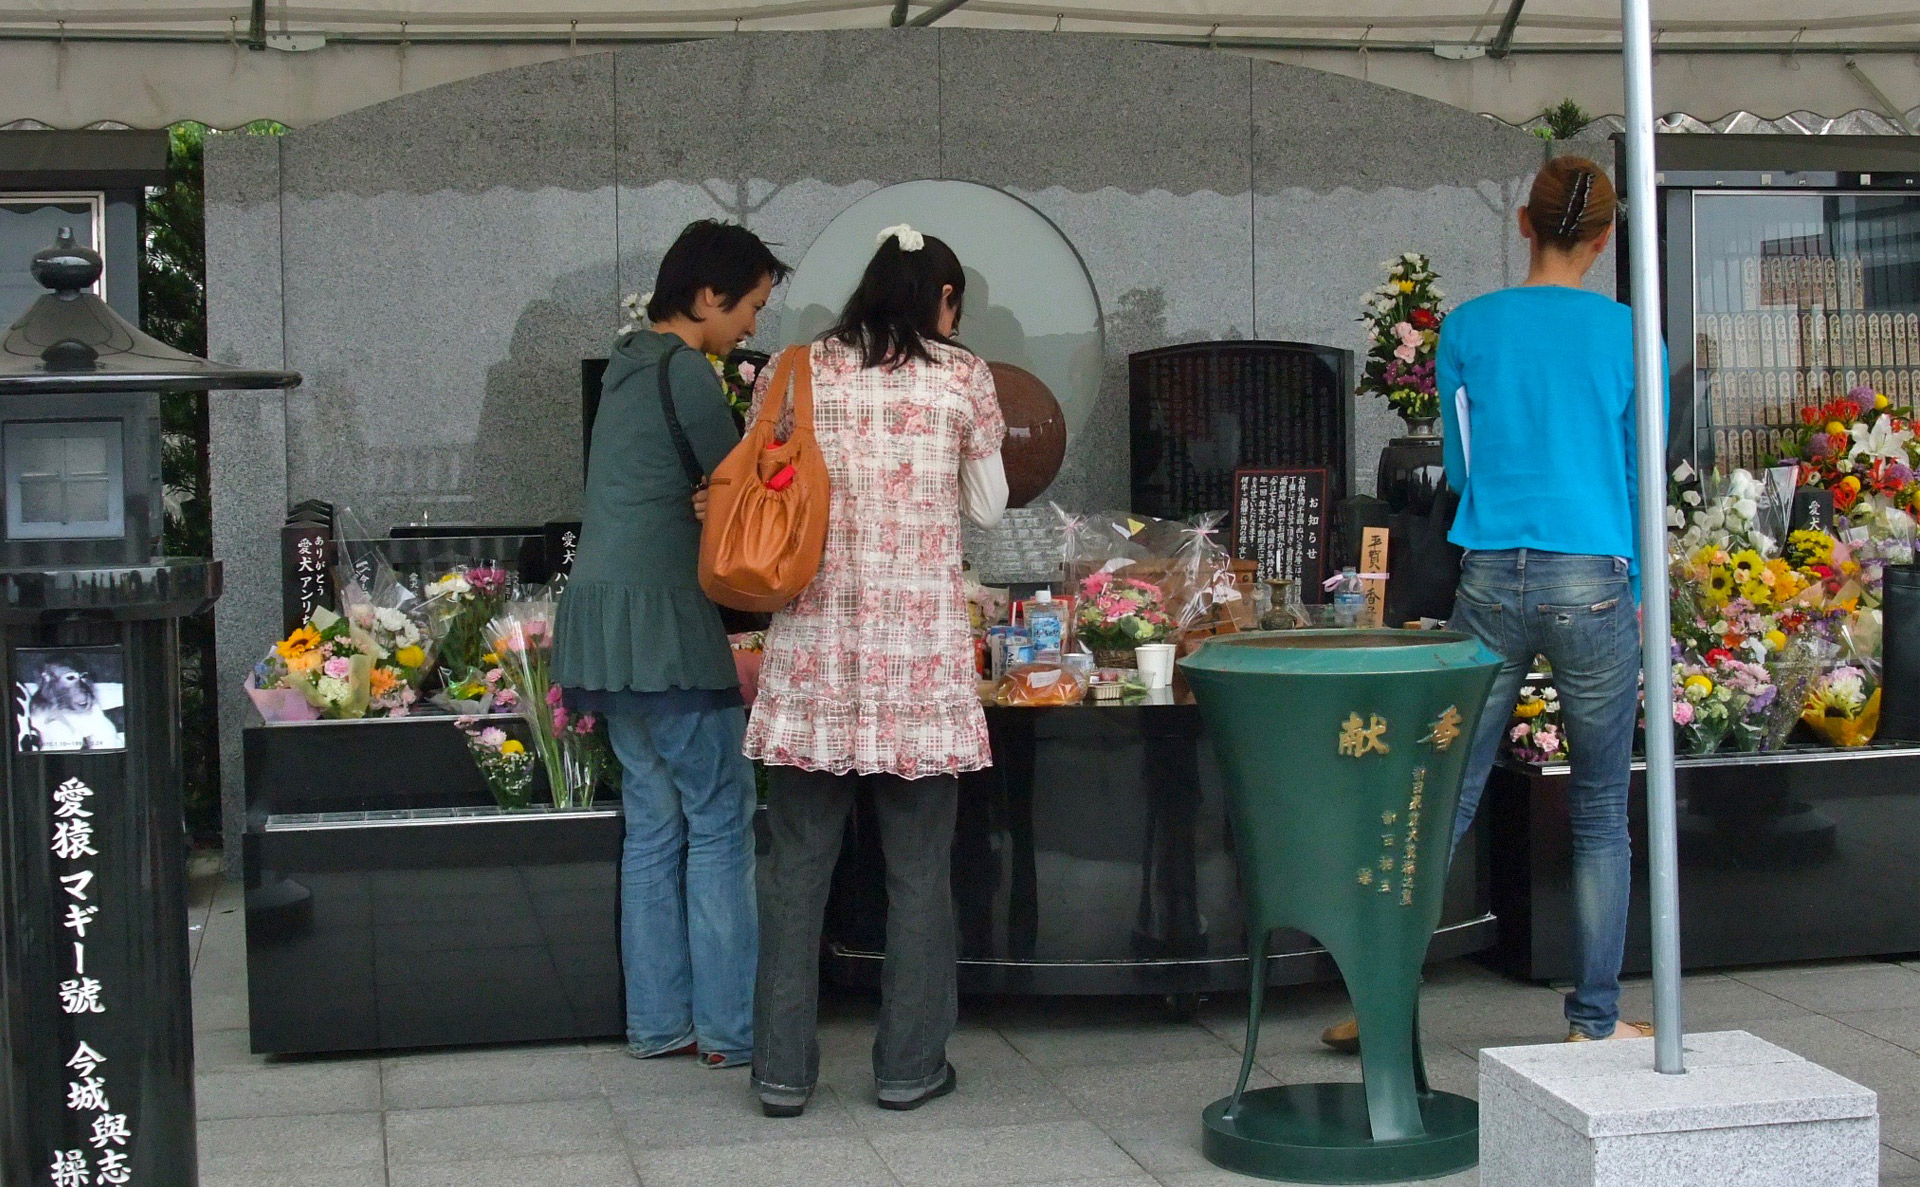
(689, 922)
(1579, 612)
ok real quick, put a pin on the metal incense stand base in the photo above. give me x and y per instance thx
(1321, 1133)
(1343, 753)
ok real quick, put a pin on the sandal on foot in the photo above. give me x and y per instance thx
(1343, 1036)
(669, 1053)
(1621, 1030)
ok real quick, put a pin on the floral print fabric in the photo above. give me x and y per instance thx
(871, 668)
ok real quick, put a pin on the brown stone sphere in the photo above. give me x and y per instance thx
(1036, 432)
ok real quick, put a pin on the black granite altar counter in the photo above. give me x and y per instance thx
(1094, 857)
(1804, 854)
(389, 905)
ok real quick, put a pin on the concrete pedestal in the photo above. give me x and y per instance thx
(1745, 1114)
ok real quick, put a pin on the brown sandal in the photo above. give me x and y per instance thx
(1343, 1036)
(1622, 1029)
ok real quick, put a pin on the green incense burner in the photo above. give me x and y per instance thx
(1342, 752)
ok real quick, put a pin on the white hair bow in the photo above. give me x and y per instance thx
(910, 239)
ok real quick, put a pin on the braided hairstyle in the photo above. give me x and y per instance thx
(1572, 201)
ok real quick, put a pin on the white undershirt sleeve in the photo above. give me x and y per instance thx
(983, 489)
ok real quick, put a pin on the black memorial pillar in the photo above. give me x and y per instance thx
(96, 1016)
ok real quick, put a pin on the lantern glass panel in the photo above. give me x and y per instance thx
(64, 480)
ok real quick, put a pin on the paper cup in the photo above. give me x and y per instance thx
(1156, 664)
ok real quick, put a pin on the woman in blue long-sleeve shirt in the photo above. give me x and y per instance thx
(1537, 393)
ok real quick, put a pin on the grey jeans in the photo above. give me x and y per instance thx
(807, 815)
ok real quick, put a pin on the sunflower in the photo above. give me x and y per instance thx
(1719, 585)
(299, 642)
(1746, 565)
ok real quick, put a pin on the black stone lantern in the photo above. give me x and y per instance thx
(96, 1016)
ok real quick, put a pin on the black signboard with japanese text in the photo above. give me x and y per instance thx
(306, 551)
(1200, 412)
(1280, 520)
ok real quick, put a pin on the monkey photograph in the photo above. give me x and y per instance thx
(71, 699)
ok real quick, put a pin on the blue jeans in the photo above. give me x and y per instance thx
(1579, 612)
(689, 922)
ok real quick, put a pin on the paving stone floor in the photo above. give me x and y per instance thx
(1089, 1092)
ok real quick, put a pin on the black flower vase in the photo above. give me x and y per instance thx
(1412, 468)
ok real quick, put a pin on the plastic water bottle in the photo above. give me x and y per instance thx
(1349, 599)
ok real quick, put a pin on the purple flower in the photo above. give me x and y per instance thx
(1899, 473)
(1819, 447)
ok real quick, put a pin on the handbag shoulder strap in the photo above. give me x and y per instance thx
(688, 462)
(792, 379)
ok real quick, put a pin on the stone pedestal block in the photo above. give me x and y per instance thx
(1745, 1114)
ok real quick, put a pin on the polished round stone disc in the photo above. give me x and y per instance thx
(1318, 1133)
(1036, 441)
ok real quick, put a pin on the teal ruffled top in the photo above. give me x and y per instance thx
(633, 616)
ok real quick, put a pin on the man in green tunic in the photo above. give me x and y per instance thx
(637, 642)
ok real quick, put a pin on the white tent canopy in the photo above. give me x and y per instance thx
(147, 63)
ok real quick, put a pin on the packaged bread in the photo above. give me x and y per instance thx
(1041, 685)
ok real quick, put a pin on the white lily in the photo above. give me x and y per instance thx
(1880, 440)
(1683, 472)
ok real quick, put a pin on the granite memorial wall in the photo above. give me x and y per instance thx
(438, 265)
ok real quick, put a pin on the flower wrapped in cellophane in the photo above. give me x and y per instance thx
(571, 750)
(1536, 733)
(323, 669)
(505, 766)
(1702, 708)
(585, 756)
(401, 647)
(1843, 702)
(459, 605)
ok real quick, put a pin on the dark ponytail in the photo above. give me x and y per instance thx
(895, 310)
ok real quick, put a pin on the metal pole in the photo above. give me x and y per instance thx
(1649, 367)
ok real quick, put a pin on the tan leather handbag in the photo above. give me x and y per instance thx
(767, 501)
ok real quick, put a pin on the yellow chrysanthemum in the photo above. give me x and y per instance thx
(1776, 640)
(1699, 686)
(1529, 708)
(1880, 400)
(512, 746)
(410, 657)
(1405, 286)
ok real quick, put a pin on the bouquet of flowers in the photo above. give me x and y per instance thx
(1751, 696)
(324, 662)
(401, 647)
(575, 757)
(367, 662)
(585, 756)
(1860, 447)
(504, 763)
(737, 373)
(1843, 705)
(459, 605)
(1536, 734)
(1118, 614)
(1702, 709)
(1403, 323)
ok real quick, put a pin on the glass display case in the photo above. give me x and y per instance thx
(1792, 270)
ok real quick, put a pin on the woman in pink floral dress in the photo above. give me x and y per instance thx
(868, 674)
